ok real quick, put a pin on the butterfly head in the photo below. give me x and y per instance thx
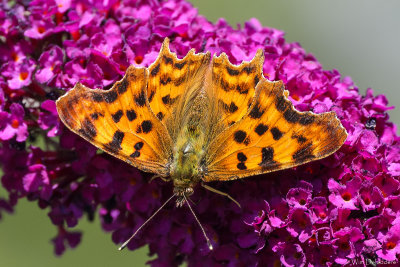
(181, 193)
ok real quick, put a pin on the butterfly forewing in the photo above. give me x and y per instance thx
(119, 121)
(234, 86)
(273, 136)
(169, 81)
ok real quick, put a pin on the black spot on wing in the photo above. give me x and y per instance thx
(146, 126)
(115, 145)
(256, 112)
(151, 96)
(256, 80)
(228, 108)
(276, 133)
(122, 86)
(97, 97)
(140, 99)
(267, 157)
(88, 130)
(241, 166)
(135, 154)
(138, 145)
(301, 139)
(180, 80)
(110, 96)
(96, 115)
(306, 119)
(117, 116)
(291, 115)
(155, 70)
(131, 115)
(261, 129)
(249, 69)
(165, 80)
(241, 157)
(242, 89)
(303, 154)
(167, 59)
(231, 71)
(180, 66)
(165, 99)
(240, 136)
(160, 116)
(281, 103)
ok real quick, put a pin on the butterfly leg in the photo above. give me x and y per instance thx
(220, 192)
(165, 179)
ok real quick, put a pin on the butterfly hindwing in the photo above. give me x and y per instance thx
(119, 121)
(272, 136)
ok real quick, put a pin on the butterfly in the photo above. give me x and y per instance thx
(200, 119)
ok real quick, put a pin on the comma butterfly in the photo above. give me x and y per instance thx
(200, 119)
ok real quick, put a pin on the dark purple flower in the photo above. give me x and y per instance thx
(37, 179)
(48, 120)
(292, 255)
(65, 238)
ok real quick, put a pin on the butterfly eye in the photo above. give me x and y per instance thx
(187, 149)
(188, 191)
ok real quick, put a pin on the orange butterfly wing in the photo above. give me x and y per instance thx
(119, 121)
(272, 136)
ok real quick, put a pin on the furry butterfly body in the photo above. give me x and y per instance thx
(200, 119)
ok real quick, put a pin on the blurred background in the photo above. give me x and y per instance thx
(360, 38)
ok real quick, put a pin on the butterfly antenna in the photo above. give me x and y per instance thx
(210, 246)
(149, 219)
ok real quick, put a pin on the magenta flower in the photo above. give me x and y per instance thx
(391, 244)
(12, 124)
(18, 75)
(344, 196)
(48, 120)
(330, 212)
(50, 63)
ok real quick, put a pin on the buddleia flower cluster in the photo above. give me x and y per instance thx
(334, 211)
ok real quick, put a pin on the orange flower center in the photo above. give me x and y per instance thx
(295, 97)
(390, 245)
(23, 75)
(75, 35)
(138, 59)
(346, 196)
(41, 29)
(14, 56)
(367, 200)
(15, 123)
